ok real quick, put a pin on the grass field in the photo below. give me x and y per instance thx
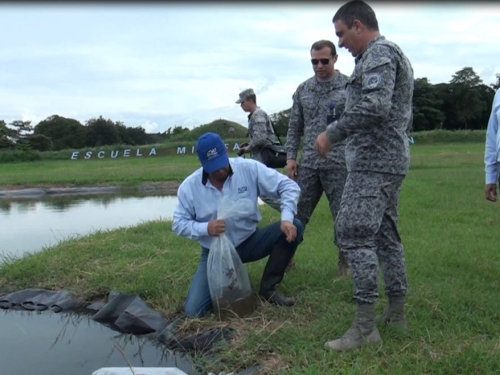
(449, 230)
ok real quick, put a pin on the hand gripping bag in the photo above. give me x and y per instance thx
(228, 281)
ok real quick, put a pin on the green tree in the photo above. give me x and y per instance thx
(101, 132)
(4, 130)
(427, 113)
(467, 77)
(132, 136)
(179, 130)
(495, 86)
(123, 134)
(21, 129)
(486, 95)
(64, 132)
(5, 133)
(462, 104)
(168, 133)
(39, 142)
(280, 122)
(138, 135)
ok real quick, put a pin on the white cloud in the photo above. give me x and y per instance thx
(161, 65)
(150, 126)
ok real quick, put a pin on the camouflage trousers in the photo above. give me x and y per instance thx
(273, 202)
(313, 182)
(366, 228)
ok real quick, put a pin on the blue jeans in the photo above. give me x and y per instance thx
(257, 246)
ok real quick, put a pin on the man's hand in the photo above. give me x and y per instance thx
(291, 169)
(242, 150)
(322, 144)
(289, 230)
(490, 192)
(216, 227)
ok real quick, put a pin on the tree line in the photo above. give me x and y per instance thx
(58, 133)
(463, 103)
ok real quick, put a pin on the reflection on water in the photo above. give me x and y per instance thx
(47, 344)
(27, 225)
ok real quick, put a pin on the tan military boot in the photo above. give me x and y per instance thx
(362, 332)
(394, 313)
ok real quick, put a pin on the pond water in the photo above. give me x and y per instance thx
(45, 343)
(28, 225)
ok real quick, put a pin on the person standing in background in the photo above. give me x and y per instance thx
(316, 103)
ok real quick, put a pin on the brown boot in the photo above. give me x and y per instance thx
(362, 332)
(394, 313)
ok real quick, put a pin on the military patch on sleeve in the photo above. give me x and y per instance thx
(372, 80)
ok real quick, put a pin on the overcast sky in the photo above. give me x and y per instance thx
(160, 65)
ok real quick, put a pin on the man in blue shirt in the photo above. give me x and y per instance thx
(195, 217)
(492, 151)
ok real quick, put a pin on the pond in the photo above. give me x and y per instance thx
(45, 343)
(28, 225)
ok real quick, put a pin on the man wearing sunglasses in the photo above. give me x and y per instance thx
(316, 103)
(374, 125)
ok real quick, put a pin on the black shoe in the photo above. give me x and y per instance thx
(277, 298)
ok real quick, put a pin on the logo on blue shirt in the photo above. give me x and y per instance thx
(242, 189)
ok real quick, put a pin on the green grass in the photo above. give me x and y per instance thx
(98, 171)
(450, 233)
(443, 136)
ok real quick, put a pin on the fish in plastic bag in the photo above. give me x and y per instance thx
(228, 280)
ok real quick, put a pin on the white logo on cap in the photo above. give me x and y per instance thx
(212, 153)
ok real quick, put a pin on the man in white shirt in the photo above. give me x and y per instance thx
(195, 217)
(492, 151)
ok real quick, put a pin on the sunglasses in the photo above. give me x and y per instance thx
(323, 61)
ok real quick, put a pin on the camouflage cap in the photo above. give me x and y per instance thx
(244, 95)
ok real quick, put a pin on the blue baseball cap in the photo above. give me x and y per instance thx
(212, 152)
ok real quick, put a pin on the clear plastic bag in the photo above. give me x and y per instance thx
(228, 281)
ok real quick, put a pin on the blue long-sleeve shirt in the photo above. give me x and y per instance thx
(198, 200)
(492, 149)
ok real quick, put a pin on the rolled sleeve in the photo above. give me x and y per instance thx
(274, 184)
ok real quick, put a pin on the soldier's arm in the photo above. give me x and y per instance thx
(259, 131)
(377, 88)
(295, 128)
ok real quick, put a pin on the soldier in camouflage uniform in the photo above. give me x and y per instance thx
(317, 102)
(375, 124)
(260, 132)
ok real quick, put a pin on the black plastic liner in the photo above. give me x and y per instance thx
(125, 313)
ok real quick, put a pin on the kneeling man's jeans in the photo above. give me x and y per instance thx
(257, 246)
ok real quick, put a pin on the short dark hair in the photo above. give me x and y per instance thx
(253, 98)
(320, 44)
(357, 10)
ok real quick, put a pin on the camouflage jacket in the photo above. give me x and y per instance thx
(378, 111)
(260, 132)
(309, 117)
